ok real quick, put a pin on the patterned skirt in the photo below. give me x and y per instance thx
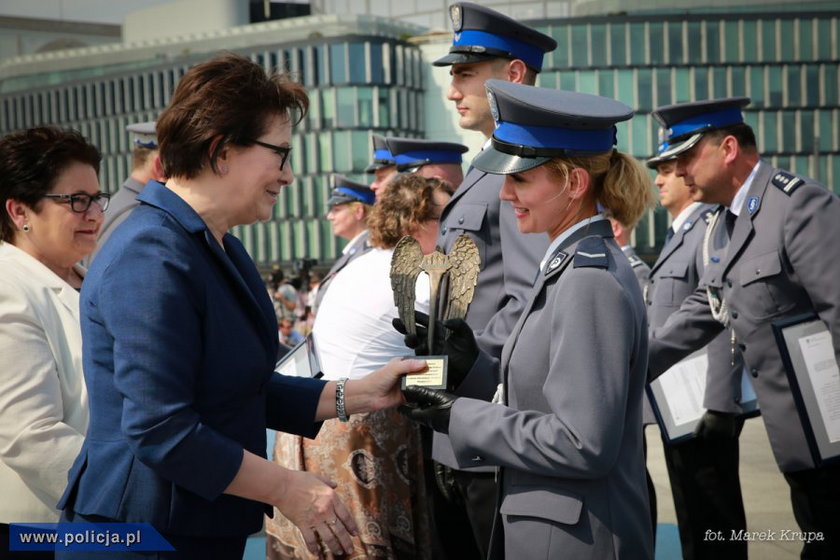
(376, 460)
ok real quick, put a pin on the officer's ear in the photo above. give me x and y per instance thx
(517, 71)
(579, 181)
(731, 149)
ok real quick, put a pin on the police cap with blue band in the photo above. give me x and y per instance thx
(410, 153)
(144, 134)
(535, 125)
(382, 156)
(683, 124)
(345, 191)
(482, 34)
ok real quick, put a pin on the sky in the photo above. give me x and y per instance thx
(96, 11)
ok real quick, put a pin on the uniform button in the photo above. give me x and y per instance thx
(477, 459)
(734, 314)
(729, 283)
(757, 271)
(443, 230)
(461, 220)
(754, 372)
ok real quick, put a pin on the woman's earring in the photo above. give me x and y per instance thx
(26, 228)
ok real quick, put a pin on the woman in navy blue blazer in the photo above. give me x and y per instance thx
(180, 339)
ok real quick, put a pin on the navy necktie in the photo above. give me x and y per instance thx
(730, 222)
(669, 234)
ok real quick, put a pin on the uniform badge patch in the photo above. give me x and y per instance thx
(556, 261)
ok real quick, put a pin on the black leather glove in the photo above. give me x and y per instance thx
(428, 407)
(718, 425)
(453, 338)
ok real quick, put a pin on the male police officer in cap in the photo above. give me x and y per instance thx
(145, 167)
(429, 158)
(703, 470)
(486, 45)
(384, 167)
(348, 206)
(780, 262)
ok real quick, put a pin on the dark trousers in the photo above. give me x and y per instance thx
(707, 497)
(815, 497)
(5, 553)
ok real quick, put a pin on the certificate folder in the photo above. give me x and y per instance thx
(301, 361)
(807, 351)
(677, 397)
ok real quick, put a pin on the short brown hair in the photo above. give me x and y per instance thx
(227, 100)
(403, 205)
(30, 163)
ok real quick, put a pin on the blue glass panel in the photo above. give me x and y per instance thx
(598, 34)
(675, 42)
(655, 40)
(618, 46)
(357, 63)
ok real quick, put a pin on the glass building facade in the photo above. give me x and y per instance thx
(788, 63)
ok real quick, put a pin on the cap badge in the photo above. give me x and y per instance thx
(752, 204)
(455, 16)
(494, 108)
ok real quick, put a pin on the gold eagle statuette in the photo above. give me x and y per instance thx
(457, 272)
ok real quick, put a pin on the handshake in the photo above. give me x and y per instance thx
(454, 339)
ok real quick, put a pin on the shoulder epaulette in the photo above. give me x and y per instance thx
(635, 260)
(591, 252)
(708, 214)
(786, 182)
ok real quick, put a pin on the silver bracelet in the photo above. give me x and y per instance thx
(340, 411)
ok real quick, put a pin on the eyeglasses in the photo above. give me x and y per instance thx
(80, 202)
(282, 151)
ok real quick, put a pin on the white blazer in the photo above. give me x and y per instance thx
(43, 400)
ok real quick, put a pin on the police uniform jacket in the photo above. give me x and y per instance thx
(180, 341)
(674, 276)
(509, 263)
(777, 265)
(642, 272)
(640, 267)
(569, 439)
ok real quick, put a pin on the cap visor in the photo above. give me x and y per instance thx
(500, 163)
(654, 162)
(460, 58)
(376, 165)
(336, 200)
(677, 149)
